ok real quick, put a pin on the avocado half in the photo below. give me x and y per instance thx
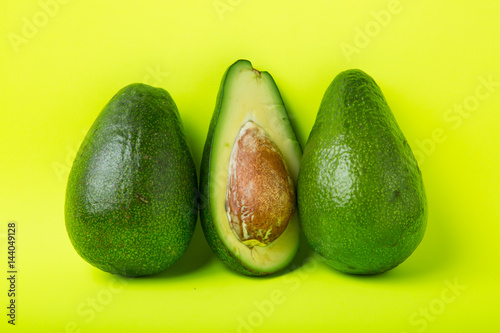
(249, 102)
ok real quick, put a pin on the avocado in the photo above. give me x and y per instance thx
(248, 175)
(131, 194)
(361, 198)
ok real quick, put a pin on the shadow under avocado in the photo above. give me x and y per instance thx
(197, 255)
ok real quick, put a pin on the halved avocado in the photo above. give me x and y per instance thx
(249, 175)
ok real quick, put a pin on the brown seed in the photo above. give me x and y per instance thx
(260, 196)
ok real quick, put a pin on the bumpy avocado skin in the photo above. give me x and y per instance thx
(361, 198)
(130, 200)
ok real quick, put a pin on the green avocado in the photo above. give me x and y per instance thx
(361, 199)
(248, 175)
(131, 194)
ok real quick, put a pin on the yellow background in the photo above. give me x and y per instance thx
(60, 62)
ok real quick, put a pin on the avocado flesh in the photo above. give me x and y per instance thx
(130, 199)
(245, 95)
(361, 197)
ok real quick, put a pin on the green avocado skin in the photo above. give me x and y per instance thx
(206, 217)
(131, 194)
(361, 198)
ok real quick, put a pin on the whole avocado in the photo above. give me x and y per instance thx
(130, 200)
(361, 198)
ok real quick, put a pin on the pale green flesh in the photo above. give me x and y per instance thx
(251, 95)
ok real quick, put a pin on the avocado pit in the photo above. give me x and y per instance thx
(260, 196)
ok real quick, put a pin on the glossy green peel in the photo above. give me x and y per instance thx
(130, 198)
(361, 198)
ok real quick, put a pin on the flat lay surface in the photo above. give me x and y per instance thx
(436, 64)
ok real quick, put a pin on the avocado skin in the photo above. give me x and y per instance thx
(130, 200)
(361, 198)
(206, 217)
